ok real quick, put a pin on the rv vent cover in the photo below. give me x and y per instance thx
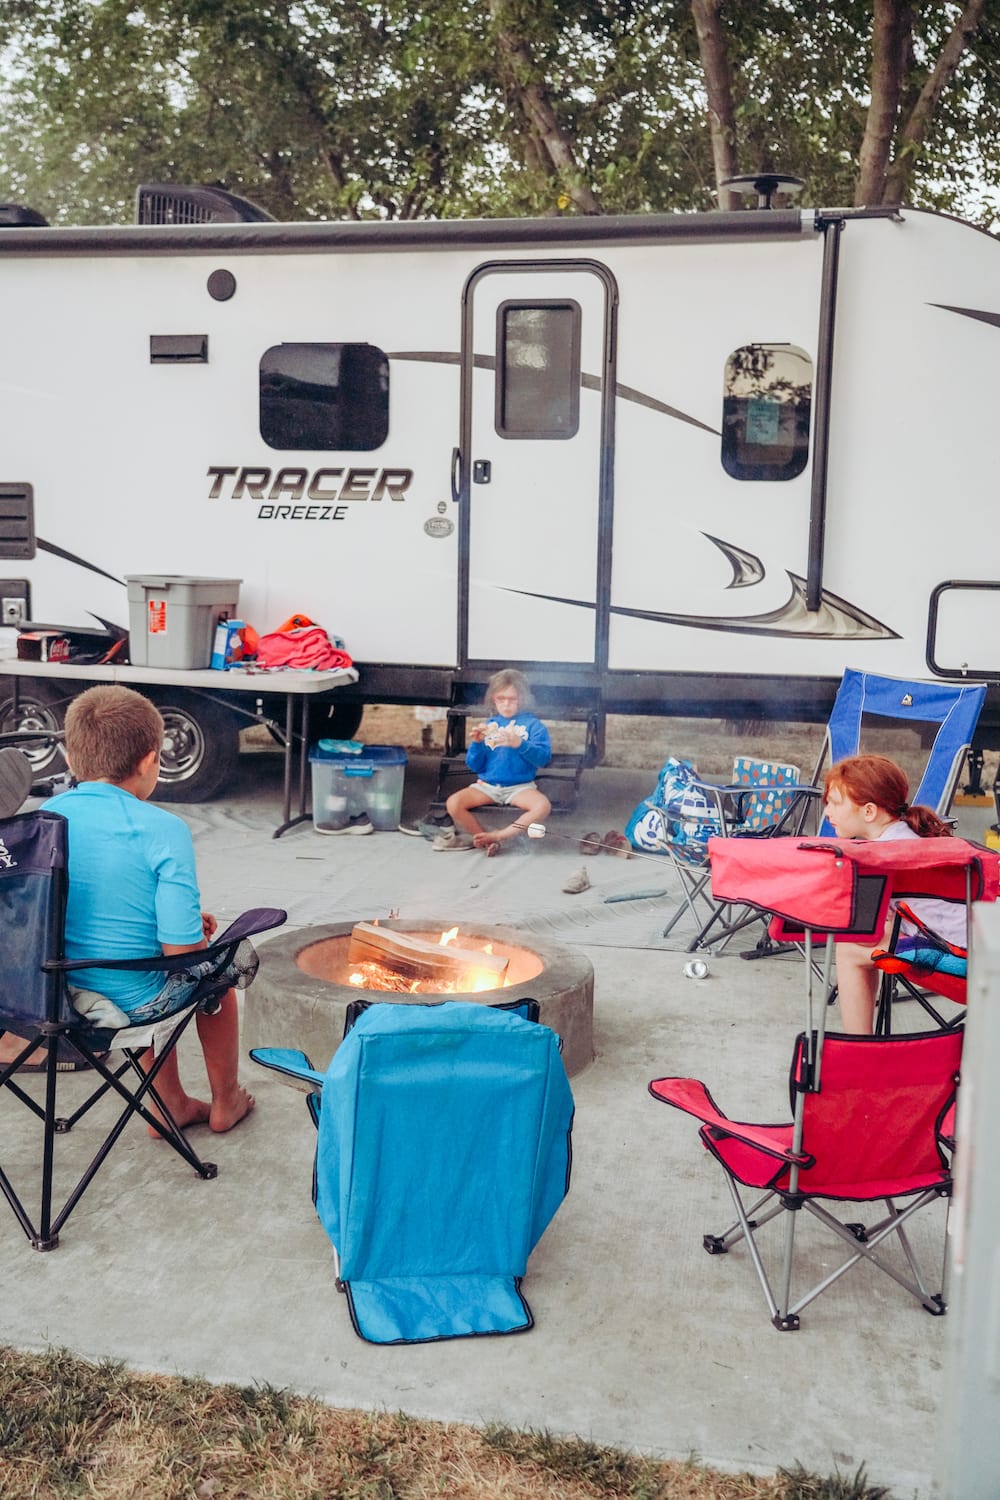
(16, 216)
(163, 203)
(17, 521)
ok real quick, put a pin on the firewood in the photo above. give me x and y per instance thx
(417, 957)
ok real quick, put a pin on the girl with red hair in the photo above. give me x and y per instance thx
(866, 799)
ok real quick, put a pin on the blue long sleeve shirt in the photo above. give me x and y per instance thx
(506, 766)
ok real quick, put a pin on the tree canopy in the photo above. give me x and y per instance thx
(388, 108)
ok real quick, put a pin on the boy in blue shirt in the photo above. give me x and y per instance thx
(133, 892)
(505, 752)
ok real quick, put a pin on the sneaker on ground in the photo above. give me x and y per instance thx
(450, 838)
(360, 823)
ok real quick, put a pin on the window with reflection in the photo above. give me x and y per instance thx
(538, 369)
(767, 400)
(325, 396)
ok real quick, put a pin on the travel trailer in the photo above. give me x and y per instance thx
(680, 464)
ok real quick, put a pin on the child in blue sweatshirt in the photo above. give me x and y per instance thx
(505, 752)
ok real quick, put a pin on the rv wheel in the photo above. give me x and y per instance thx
(334, 721)
(41, 706)
(201, 745)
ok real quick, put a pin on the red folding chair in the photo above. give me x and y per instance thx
(922, 966)
(869, 1125)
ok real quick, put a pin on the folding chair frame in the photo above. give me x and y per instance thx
(787, 1147)
(63, 1028)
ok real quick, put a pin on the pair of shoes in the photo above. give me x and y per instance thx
(451, 839)
(616, 843)
(590, 843)
(577, 882)
(360, 823)
(424, 828)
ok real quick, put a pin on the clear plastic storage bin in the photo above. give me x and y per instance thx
(345, 784)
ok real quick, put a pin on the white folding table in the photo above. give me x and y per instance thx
(289, 683)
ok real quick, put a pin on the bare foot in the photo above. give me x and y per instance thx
(231, 1109)
(190, 1111)
(493, 847)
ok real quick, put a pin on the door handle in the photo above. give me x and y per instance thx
(456, 474)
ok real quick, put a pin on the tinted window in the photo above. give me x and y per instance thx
(765, 412)
(328, 396)
(538, 369)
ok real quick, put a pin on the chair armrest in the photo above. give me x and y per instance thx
(261, 919)
(692, 1097)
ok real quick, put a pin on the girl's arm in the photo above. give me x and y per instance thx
(537, 748)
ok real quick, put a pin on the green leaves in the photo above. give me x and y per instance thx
(394, 109)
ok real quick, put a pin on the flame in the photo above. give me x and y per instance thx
(488, 948)
(448, 937)
(358, 979)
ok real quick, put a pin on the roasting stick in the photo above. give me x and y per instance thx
(541, 831)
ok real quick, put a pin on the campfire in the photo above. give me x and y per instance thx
(403, 963)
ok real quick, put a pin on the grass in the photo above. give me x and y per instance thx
(69, 1428)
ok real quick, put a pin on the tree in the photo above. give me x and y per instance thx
(390, 108)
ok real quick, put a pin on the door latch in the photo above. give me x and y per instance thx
(482, 471)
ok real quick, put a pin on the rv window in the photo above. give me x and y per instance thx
(538, 369)
(765, 412)
(333, 397)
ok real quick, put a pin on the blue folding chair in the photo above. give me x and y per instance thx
(865, 704)
(443, 1152)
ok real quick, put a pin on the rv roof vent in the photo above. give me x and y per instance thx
(163, 203)
(763, 186)
(16, 216)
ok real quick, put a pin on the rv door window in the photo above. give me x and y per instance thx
(538, 369)
(332, 397)
(766, 404)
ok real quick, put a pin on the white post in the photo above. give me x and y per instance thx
(968, 1465)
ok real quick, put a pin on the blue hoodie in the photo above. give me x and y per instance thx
(506, 766)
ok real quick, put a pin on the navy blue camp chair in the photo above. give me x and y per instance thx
(35, 1006)
(443, 1152)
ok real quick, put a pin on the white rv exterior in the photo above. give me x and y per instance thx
(537, 462)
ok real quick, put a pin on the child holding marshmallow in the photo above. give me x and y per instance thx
(505, 752)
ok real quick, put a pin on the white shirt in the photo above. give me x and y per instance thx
(945, 918)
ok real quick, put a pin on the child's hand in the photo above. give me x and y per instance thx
(510, 736)
(477, 733)
(209, 926)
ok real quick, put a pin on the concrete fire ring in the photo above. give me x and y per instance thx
(287, 1006)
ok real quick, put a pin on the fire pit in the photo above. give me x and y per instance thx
(307, 979)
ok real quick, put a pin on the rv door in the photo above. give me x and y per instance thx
(536, 349)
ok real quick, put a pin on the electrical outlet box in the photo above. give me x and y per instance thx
(14, 601)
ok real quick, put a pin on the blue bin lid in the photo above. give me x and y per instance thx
(375, 755)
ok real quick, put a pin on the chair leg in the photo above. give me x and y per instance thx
(45, 1235)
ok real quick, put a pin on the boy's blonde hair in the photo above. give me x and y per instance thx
(109, 730)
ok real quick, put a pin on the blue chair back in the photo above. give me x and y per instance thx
(954, 708)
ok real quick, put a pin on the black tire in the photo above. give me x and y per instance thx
(201, 746)
(334, 721)
(41, 705)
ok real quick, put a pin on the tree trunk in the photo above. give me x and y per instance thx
(520, 75)
(911, 137)
(892, 24)
(714, 54)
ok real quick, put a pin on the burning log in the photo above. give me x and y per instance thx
(446, 963)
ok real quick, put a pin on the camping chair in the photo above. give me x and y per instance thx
(443, 1152)
(864, 705)
(869, 1122)
(921, 966)
(762, 800)
(35, 1006)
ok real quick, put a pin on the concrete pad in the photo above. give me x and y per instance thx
(641, 1339)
